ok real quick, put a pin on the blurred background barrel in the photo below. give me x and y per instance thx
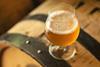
(11, 11)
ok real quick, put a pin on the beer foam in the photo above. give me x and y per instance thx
(61, 22)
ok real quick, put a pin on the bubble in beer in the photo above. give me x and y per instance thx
(62, 22)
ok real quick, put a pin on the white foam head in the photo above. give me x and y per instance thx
(61, 22)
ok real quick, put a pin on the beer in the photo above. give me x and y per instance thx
(62, 28)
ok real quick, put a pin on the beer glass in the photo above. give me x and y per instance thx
(62, 30)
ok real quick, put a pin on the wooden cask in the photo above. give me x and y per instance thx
(33, 26)
(11, 11)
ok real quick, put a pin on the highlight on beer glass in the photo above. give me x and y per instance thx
(62, 30)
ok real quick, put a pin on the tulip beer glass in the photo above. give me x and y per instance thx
(62, 30)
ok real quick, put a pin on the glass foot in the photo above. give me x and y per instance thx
(62, 53)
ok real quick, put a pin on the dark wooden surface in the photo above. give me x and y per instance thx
(11, 11)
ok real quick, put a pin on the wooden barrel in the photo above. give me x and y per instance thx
(33, 26)
(13, 11)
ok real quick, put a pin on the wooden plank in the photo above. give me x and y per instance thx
(86, 7)
(95, 31)
(83, 19)
(51, 5)
(94, 28)
(30, 29)
(85, 58)
(88, 16)
(22, 60)
(83, 12)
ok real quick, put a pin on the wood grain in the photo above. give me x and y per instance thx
(94, 27)
(90, 22)
(84, 57)
(22, 59)
(29, 28)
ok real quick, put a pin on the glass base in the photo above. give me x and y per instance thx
(61, 53)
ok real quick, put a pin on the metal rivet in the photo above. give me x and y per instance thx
(38, 51)
(26, 32)
(27, 42)
(65, 49)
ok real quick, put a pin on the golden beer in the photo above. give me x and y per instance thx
(62, 28)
